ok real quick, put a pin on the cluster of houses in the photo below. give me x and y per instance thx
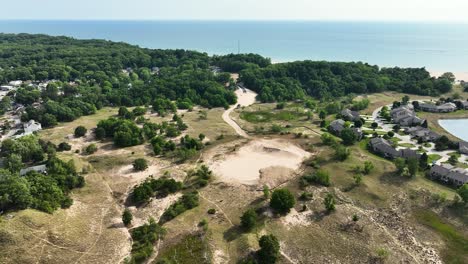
(443, 108)
(339, 125)
(385, 149)
(406, 116)
(422, 133)
(449, 175)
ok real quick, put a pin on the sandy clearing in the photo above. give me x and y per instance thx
(244, 98)
(295, 218)
(154, 209)
(246, 164)
(137, 176)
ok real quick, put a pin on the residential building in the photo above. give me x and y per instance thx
(38, 168)
(405, 116)
(443, 108)
(349, 115)
(422, 133)
(31, 127)
(383, 148)
(463, 147)
(449, 174)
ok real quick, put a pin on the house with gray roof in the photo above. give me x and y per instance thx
(405, 116)
(425, 134)
(349, 115)
(443, 108)
(449, 174)
(463, 147)
(338, 125)
(383, 147)
(38, 168)
(408, 153)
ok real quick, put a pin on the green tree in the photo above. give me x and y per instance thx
(453, 159)
(463, 192)
(357, 178)
(269, 249)
(282, 200)
(348, 136)
(400, 164)
(80, 131)
(140, 164)
(266, 192)
(341, 152)
(329, 202)
(90, 149)
(413, 166)
(368, 167)
(322, 114)
(127, 217)
(13, 163)
(405, 99)
(249, 219)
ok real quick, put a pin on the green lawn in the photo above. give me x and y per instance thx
(268, 116)
(433, 157)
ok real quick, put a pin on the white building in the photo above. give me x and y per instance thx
(16, 83)
(31, 126)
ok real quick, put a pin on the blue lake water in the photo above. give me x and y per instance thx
(438, 47)
(456, 127)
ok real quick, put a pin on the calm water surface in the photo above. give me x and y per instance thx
(438, 47)
(456, 127)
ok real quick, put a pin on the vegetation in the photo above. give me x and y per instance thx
(319, 177)
(249, 220)
(140, 164)
(463, 192)
(152, 187)
(282, 200)
(456, 243)
(329, 202)
(144, 238)
(127, 217)
(269, 249)
(186, 202)
(80, 131)
(327, 80)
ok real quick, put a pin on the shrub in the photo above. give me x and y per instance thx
(319, 177)
(127, 217)
(249, 220)
(329, 202)
(90, 149)
(80, 131)
(64, 146)
(269, 249)
(140, 164)
(282, 200)
(211, 211)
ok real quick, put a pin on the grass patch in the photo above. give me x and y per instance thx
(406, 145)
(268, 116)
(433, 157)
(191, 249)
(456, 250)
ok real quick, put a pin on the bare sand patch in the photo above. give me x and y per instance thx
(246, 164)
(295, 218)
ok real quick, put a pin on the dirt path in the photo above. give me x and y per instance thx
(245, 97)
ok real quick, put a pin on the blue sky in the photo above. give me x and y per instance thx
(392, 10)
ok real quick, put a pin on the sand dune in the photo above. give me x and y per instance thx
(253, 159)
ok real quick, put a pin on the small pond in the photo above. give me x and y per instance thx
(456, 127)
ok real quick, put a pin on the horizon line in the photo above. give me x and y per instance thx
(233, 20)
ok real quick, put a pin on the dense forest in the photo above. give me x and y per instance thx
(90, 74)
(325, 80)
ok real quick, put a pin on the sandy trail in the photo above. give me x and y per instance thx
(244, 98)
